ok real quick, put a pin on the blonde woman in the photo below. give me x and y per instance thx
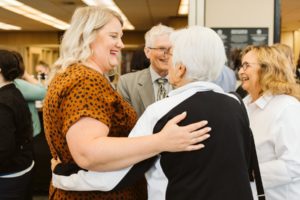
(87, 122)
(274, 109)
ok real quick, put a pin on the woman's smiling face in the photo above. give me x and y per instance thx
(107, 45)
(249, 74)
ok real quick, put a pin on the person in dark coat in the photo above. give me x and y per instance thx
(16, 132)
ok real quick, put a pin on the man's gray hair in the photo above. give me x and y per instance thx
(156, 31)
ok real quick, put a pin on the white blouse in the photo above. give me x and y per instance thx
(275, 122)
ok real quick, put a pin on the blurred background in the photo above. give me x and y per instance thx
(34, 27)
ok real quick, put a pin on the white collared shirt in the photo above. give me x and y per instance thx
(275, 122)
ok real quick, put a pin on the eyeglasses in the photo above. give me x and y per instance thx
(162, 50)
(245, 65)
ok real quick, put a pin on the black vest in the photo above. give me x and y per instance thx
(220, 170)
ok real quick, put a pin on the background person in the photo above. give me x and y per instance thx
(288, 52)
(273, 107)
(140, 88)
(87, 122)
(32, 91)
(16, 149)
(235, 63)
(298, 69)
(139, 61)
(226, 80)
(42, 69)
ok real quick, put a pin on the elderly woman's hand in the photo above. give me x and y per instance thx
(176, 138)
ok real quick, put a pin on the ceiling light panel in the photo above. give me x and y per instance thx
(111, 4)
(27, 11)
(183, 7)
(5, 26)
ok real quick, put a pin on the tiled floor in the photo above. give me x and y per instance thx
(40, 198)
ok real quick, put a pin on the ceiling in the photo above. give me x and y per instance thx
(143, 14)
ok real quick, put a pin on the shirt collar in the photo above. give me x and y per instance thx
(154, 75)
(197, 86)
(261, 102)
(5, 83)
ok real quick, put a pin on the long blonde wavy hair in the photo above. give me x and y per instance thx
(288, 51)
(75, 44)
(276, 75)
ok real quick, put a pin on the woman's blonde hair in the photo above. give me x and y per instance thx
(276, 76)
(85, 23)
(288, 52)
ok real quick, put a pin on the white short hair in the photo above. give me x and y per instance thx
(156, 31)
(201, 50)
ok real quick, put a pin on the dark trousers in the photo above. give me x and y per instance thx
(17, 188)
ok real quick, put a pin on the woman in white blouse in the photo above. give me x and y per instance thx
(274, 112)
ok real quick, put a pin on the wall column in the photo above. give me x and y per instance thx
(196, 13)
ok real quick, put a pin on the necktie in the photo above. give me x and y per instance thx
(161, 92)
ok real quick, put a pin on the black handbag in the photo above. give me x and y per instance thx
(254, 167)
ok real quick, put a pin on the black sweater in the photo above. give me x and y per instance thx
(16, 149)
(220, 170)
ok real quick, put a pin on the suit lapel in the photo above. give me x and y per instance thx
(145, 88)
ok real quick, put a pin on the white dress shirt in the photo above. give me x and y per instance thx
(275, 122)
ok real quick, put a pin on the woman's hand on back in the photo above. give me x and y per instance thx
(176, 138)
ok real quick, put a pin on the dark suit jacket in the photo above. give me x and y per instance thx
(137, 89)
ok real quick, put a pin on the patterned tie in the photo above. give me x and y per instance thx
(161, 92)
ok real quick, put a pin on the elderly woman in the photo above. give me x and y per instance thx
(16, 147)
(32, 91)
(274, 109)
(87, 122)
(220, 170)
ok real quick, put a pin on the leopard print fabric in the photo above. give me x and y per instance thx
(83, 92)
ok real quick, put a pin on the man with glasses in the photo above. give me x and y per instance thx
(144, 87)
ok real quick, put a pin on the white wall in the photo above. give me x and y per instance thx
(240, 13)
(287, 38)
(292, 38)
(296, 44)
